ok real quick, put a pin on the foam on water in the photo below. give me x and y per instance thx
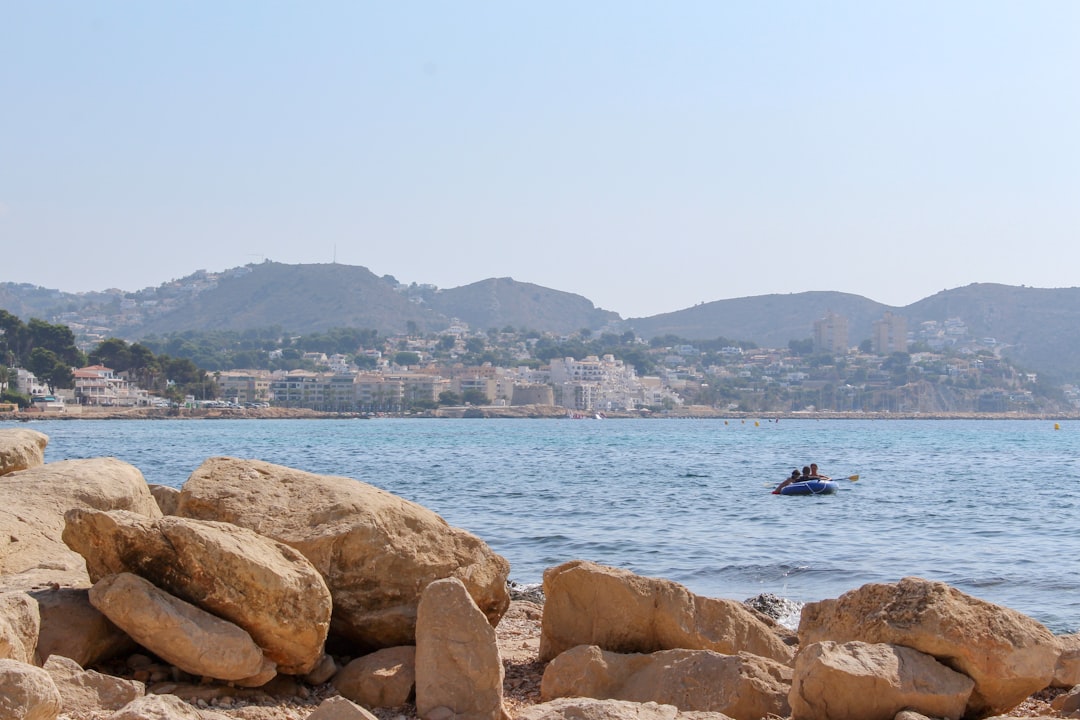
(987, 506)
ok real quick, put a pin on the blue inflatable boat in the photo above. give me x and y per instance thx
(808, 487)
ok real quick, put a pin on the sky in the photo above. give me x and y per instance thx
(648, 156)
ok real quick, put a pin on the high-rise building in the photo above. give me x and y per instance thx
(890, 334)
(831, 334)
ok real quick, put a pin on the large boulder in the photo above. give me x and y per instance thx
(72, 627)
(590, 604)
(176, 631)
(458, 669)
(1006, 653)
(20, 624)
(21, 449)
(744, 686)
(858, 681)
(264, 586)
(27, 692)
(376, 551)
(32, 507)
(86, 691)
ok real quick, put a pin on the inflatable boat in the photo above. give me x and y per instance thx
(808, 487)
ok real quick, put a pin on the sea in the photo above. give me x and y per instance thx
(988, 506)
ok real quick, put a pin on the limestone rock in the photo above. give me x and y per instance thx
(322, 672)
(339, 708)
(1067, 669)
(376, 551)
(73, 628)
(457, 656)
(166, 497)
(21, 449)
(20, 624)
(590, 604)
(744, 686)
(1068, 703)
(266, 587)
(176, 631)
(385, 678)
(163, 707)
(859, 681)
(32, 507)
(27, 692)
(1006, 653)
(88, 690)
(577, 708)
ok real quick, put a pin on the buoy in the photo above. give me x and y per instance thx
(1057, 426)
(757, 424)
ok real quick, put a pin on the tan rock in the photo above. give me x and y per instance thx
(744, 686)
(376, 551)
(73, 628)
(176, 631)
(384, 678)
(85, 691)
(859, 681)
(21, 449)
(578, 708)
(590, 604)
(1068, 703)
(264, 586)
(322, 672)
(163, 707)
(1007, 654)
(1067, 668)
(27, 692)
(339, 708)
(166, 498)
(457, 656)
(32, 507)
(20, 624)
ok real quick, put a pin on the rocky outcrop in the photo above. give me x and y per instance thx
(27, 692)
(1007, 654)
(85, 691)
(32, 553)
(858, 681)
(590, 604)
(263, 586)
(176, 631)
(20, 624)
(577, 708)
(744, 686)
(21, 449)
(458, 670)
(376, 551)
(384, 678)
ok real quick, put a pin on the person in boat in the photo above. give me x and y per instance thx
(815, 475)
(794, 478)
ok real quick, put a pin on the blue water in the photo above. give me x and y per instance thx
(986, 506)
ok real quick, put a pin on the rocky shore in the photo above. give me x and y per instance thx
(262, 592)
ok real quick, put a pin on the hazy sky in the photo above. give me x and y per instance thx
(646, 155)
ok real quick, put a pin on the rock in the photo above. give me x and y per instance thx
(20, 624)
(1007, 654)
(1067, 668)
(1068, 703)
(21, 449)
(339, 708)
(27, 692)
(385, 678)
(73, 628)
(322, 672)
(590, 604)
(88, 690)
(457, 656)
(166, 498)
(32, 507)
(176, 631)
(376, 551)
(265, 587)
(163, 707)
(744, 686)
(577, 708)
(859, 681)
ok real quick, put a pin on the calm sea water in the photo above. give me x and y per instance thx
(989, 507)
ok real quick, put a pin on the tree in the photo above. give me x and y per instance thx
(406, 357)
(449, 397)
(50, 369)
(801, 347)
(473, 396)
